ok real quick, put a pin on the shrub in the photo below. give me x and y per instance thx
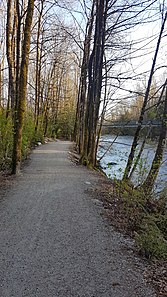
(151, 239)
(30, 136)
(6, 140)
(144, 216)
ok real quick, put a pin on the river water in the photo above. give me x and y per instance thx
(115, 160)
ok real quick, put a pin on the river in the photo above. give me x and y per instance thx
(115, 160)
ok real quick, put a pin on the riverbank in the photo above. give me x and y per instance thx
(132, 215)
(145, 220)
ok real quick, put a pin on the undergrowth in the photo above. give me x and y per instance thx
(6, 140)
(143, 216)
(30, 138)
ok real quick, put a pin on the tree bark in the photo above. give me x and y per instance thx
(17, 154)
(95, 84)
(10, 57)
(81, 106)
(0, 85)
(150, 180)
(18, 42)
(38, 66)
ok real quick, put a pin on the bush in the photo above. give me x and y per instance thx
(151, 239)
(30, 136)
(6, 141)
(161, 222)
(144, 216)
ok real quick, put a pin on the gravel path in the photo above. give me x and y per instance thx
(53, 240)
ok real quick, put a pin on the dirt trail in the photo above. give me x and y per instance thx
(53, 239)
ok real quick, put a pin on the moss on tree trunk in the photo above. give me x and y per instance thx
(17, 148)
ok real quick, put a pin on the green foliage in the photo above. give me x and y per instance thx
(63, 125)
(152, 114)
(66, 121)
(145, 217)
(66, 125)
(151, 238)
(30, 136)
(6, 140)
(161, 222)
(142, 169)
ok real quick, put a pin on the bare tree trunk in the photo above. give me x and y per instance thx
(149, 182)
(48, 95)
(105, 102)
(0, 86)
(17, 155)
(144, 141)
(17, 57)
(140, 153)
(95, 84)
(83, 83)
(38, 67)
(10, 57)
(137, 134)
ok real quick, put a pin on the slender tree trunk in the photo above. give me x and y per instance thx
(139, 154)
(17, 155)
(150, 180)
(0, 86)
(137, 134)
(48, 95)
(38, 68)
(10, 57)
(83, 83)
(17, 57)
(105, 102)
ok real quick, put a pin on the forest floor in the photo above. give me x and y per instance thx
(55, 239)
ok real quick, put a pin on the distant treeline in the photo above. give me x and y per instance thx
(153, 131)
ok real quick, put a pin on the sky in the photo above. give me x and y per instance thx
(139, 65)
(144, 57)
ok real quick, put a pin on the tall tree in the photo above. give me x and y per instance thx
(82, 94)
(38, 62)
(10, 50)
(17, 155)
(95, 68)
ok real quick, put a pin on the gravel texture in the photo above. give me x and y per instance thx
(53, 239)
